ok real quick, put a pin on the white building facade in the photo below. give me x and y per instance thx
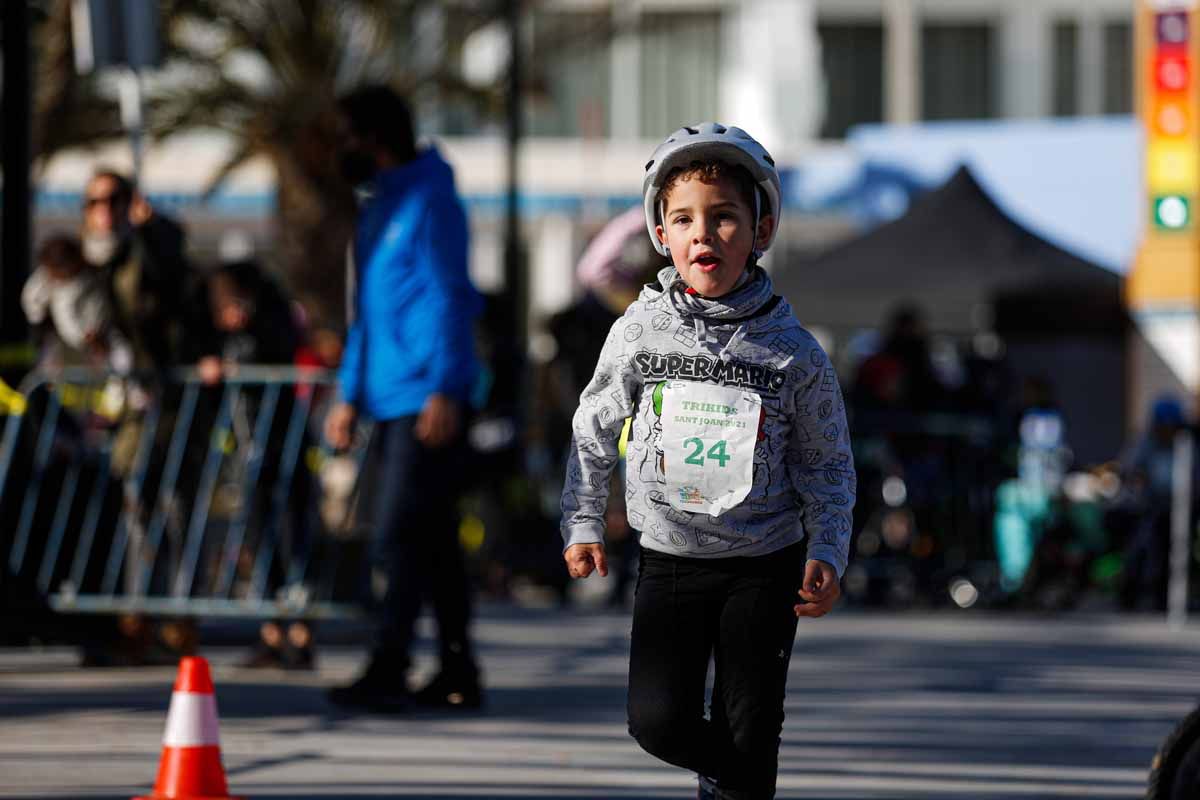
(606, 81)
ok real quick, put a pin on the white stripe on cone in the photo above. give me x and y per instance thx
(191, 720)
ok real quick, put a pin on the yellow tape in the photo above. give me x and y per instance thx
(471, 533)
(12, 402)
(314, 459)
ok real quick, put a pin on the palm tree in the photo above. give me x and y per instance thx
(266, 73)
(68, 111)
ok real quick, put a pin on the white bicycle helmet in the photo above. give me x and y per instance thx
(716, 142)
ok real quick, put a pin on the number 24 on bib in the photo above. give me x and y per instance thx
(708, 438)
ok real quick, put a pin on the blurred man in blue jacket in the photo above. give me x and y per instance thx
(409, 364)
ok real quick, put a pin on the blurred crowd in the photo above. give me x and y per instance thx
(968, 492)
(124, 295)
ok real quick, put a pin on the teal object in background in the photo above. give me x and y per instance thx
(1022, 514)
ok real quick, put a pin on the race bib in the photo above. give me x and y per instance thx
(708, 438)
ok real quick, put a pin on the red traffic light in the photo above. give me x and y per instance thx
(1172, 71)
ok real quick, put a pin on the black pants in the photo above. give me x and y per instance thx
(740, 612)
(416, 542)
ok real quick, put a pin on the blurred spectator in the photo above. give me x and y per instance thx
(1148, 472)
(901, 376)
(1042, 455)
(140, 256)
(320, 347)
(140, 253)
(66, 296)
(1045, 540)
(254, 325)
(410, 364)
(252, 319)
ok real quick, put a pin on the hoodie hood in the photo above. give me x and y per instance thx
(747, 297)
(751, 293)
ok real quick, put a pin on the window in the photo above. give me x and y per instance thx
(568, 71)
(1118, 68)
(680, 70)
(956, 72)
(1064, 95)
(852, 60)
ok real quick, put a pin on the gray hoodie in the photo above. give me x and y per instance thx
(803, 471)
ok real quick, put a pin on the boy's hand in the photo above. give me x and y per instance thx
(583, 558)
(820, 590)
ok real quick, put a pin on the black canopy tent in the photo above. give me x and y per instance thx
(966, 264)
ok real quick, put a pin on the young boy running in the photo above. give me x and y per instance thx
(740, 479)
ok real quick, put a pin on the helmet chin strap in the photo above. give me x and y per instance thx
(758, 253)
(662, 218)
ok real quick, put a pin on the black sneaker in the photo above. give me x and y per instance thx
(452, 689)
(263, 656)
(299, 658)
(381, 689)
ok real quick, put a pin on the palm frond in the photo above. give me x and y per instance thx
(239, 157)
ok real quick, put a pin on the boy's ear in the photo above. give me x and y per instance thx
(766, 227)
(661, 233)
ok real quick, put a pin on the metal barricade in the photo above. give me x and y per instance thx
(169, 496)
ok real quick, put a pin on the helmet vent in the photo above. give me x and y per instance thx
(718, 128)
(767, 158)
(649, 164)
(692, 131)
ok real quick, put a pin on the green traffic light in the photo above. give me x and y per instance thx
(1172, 212)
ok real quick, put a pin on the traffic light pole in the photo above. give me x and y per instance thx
(1181, 527)
(132, 118)
(514, 273)
(1163, 288)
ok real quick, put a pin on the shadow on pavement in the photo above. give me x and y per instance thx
(260, 699)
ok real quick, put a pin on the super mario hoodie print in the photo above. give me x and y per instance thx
(708, 361)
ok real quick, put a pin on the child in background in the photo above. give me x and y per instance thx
(252, 319)
(255, 325)
(740, 478)
(68, 296)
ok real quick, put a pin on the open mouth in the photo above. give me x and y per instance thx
(707, 262)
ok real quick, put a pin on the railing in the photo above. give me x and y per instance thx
(169, 496)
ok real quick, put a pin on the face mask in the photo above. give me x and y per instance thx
(99, 248)
(357, 166)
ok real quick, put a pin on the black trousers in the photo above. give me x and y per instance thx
(415, 542)
(740, 612)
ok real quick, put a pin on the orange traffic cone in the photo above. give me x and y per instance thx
(190, 768)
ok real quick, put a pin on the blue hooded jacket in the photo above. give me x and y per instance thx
(414, 305)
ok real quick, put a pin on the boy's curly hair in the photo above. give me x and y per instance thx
(710, 172)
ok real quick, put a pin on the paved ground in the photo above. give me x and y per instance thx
(880, 706)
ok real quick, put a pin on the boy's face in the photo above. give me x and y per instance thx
(710, 232)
